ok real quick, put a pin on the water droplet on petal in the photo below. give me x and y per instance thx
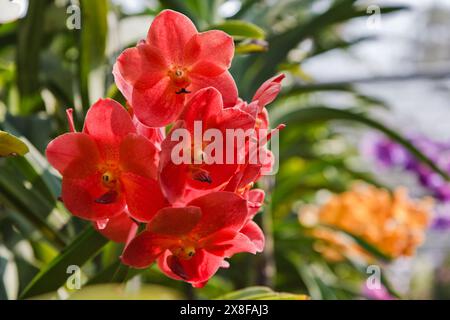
(101, 224)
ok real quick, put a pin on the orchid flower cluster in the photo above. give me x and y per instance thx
(393, 223)
(390, 154)
(122, 173)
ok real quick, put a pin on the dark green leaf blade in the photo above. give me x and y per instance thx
(53, 276)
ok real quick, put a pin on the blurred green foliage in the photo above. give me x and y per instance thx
(45, 68)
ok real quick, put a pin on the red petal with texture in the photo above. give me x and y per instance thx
(172, 177)
(159, 105)
(251, 174)
(118, 228)
(219, 242)
(143, 196)
(143, 250)
(200, 268)
(224, 83)
(140, 67)
(139, 156)
(252, 231)
(155, 135)
(108, 123)
(80, 196)
(73, 155)
(268, 161)
(209, 53)
(203, 105)
(170, 32)
(175, 221)
(249, 239)
(263, 119)
(251, 108)
(268, 91)
(255, 201)
(239, 244)
(245, 175)
(234, 118)
(220, 210)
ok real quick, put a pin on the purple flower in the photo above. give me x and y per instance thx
(380, 293)
(389, 154)
(441, 223)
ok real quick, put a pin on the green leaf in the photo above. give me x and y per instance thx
(251, 46)
(29, 44)
(3, 293)
(54, 275)
(240, 30)
(28, 203)
(299, 116)
(11, 145)
(242, 294)
(124, 292)
(265, 65)
(307, 276)
(116, 272)
(260, 293)
(92, 42)
(8, 34)
(25, 270)
(390, 289)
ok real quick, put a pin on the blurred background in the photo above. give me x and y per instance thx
(366, 102)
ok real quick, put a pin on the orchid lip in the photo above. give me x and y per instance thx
(201, 175)
(182, 90)
(174, 264)
(107, 198)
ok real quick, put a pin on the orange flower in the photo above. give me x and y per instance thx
(393, 223)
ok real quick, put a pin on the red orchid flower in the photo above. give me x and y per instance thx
(265, 95)
(205, 107)
(174, 61)
(268, 91)
(107, 167)
(262, 158)
(155, 134)
(191, 243)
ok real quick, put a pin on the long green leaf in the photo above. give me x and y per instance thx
(240, 29)
(52, 277)
(260, 293)
(123, 292)
(116, 272)
(29, 43)
(265, 65)
(307, 276)
(3, 293)
(312, 114)
(93, 42)
(28, 203)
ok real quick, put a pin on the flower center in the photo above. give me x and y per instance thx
(180, 79)
(110, 173)
(184, 252)
(109, 179)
